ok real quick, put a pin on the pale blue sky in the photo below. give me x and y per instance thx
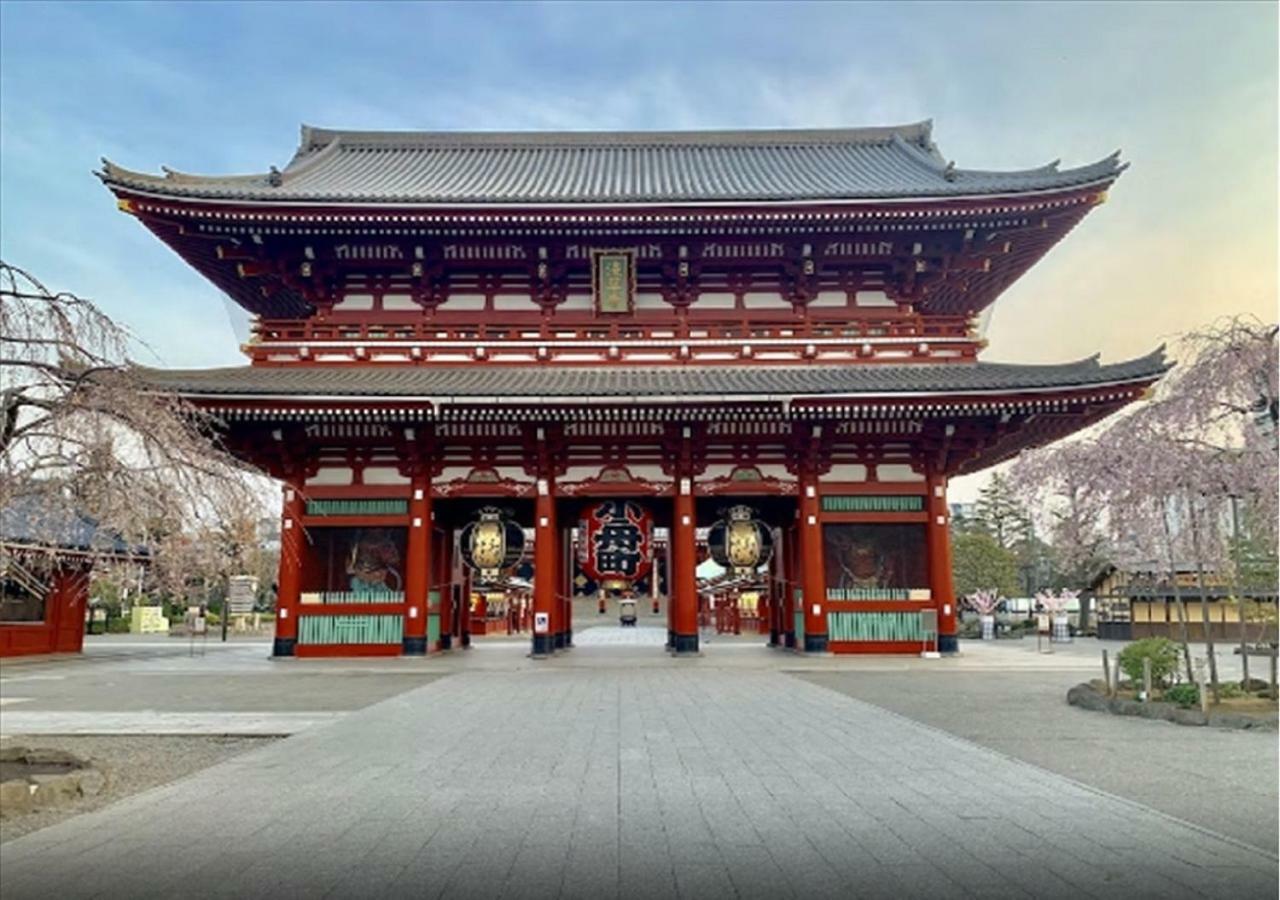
(1187, 91)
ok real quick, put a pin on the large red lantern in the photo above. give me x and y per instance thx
(615, 543)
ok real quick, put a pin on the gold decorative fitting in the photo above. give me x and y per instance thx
(1099, 198)
(125, 205)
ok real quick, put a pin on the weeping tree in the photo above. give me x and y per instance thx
(1154, 486)
(80, 434)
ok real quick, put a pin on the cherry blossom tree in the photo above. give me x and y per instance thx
(983, 602)
(1072, 512)
(80, 433)
(1157, 481)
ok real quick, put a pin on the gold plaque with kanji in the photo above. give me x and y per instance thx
(613, 279)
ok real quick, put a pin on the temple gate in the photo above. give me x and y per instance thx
(490, 332)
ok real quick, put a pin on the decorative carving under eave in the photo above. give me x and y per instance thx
(283, 452)
(684, 449)
(483, 482)
(418, 453)
(809, 448)
(745, 480)
(546, 452)
(681, 271)
(613, 480)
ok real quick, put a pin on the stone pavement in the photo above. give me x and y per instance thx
(688, 778)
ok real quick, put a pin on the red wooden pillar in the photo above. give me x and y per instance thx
(566, 583)
(938, 552)
(813, 581)
(546, 574)
(557, 603)
(289, 583)
(441, 549)
(790, 583)
(417, 570)
(684, 563)
(670, 570)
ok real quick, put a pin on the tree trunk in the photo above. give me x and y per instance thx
(1177, 596)
(1235, 591)
(1204, 605)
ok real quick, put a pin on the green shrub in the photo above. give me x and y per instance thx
(1163, 654)
(118, 625)
(1229, 690)
(1185, 695)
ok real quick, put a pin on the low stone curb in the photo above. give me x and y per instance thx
(1086, 696)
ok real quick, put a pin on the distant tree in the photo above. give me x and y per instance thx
(1002, 514)
(980, 563)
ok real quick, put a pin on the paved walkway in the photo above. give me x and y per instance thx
(688, 779)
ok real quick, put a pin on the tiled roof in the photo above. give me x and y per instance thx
(37, 520)
(897, 162)
(515, 384)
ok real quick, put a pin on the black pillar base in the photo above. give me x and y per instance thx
(789, 640)
(283, 646)
(568, 639)
(466, 641)
(557, 641)
(414, 646)
(671, 638)
(446, 642)
(815, 643)
(773, 637)
(685, 643)
(543, 644)
(947, 643)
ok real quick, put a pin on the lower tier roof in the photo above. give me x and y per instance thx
(511, 384)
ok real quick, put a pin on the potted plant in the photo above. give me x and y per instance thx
(984, 603)
(1056, 606)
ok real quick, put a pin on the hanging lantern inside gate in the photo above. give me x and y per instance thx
(615, 543)
(740, 542)
(491, 544)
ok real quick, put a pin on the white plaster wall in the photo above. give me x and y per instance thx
(762, 300)
(463, 301)
(398, 302)
(355, 301)
(830, 299)
(873, 298)
(332, 475)
(900, 472)
(384, 475)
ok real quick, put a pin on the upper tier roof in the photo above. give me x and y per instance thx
(632, 167)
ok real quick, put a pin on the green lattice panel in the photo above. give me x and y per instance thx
(798, 623)
(362, 597)
(380, 507)
(433, 619)
(350, 629)
(847, 594)
(874, 626)
(873, 503)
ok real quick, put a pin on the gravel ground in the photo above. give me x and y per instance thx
(131, 763)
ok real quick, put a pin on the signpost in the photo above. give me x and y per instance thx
(241, 592)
